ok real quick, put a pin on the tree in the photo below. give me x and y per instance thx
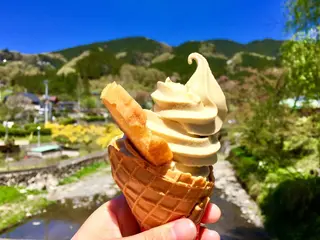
(89, 102)
(207, 49)
(266, 132)
(301, 55)
(17, 106)
(301, 58)
(302, 14)
(137, 77)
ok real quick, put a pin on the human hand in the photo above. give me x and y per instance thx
(114, 220)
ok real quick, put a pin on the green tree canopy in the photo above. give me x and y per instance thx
(301, 58)
(303, 14)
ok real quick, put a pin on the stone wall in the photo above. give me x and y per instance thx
(59, 171)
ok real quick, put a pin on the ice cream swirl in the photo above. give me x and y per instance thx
(189, 116)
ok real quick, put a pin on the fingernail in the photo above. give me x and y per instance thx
(184, 229)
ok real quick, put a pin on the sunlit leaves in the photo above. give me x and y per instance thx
(301, 58)
(303, 14)
(71, 135)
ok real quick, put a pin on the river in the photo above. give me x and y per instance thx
(62, 220)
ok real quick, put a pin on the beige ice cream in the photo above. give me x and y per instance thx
(163, 164)
(188, 117)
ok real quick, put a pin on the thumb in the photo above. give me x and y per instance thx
(182, 229)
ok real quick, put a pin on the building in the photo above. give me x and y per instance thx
(69, 106)
(52, 99)
(50, 151)
(28, 101)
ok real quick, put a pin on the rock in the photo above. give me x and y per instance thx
(23, 191)
(40, 185)
(11, 182)
(30, 197)
(111, 192)
(51, 181)
(39, 176)
(31, 180)
(22, 185)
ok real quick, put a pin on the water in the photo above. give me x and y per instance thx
(61, 221)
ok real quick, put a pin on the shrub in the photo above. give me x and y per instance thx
(62, 139)
(32, 128)
(111, 131)
(17, 132)
(70, 135)
(67, 121)
(292, 209)
(93, 118)
(249, 169)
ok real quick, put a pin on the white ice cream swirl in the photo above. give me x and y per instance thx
(189, 116)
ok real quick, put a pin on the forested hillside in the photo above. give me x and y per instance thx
(136, 62)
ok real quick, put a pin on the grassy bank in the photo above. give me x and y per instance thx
(288, 196)
(278, 164)
(83, 172)
(17, 204)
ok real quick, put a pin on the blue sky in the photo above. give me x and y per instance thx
(36, 26)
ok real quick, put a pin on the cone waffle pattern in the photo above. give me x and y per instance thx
(157, 195)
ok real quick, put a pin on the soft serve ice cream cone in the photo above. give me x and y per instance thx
(163, 163)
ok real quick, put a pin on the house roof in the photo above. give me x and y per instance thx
(34, 98)
(46, 148)
(53, 98)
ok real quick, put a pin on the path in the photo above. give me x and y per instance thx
(20, 142)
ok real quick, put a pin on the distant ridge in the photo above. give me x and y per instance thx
(138, 63)
(268, 47)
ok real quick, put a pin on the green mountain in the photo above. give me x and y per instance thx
(180, 66)
(132, 45)
(268, 47)
(128, 46)
(141, 51)
(136, 62)
(229, 48)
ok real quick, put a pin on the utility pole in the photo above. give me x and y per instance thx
(79, 92)
(39, 143)
(46, 101)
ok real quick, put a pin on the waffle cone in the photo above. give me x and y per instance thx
(157, 195)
